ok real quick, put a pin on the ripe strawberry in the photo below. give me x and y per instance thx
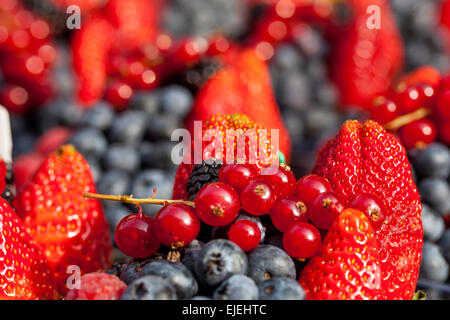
(90, 48)
(364, 61)
(98, 286)
(24, 272)
(242, 86)
(348, 265)
(367, 159)
(70, 229)
(242, 125)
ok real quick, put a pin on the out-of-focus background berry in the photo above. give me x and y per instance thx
(120, 84)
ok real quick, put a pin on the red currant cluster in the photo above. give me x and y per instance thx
(144, 68)
(302, 211)
(419, 112)
(26, 56)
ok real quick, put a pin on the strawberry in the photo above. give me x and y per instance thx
(364, 61)
(241, 124)
(3, 171)
(70, 229)
(348, 265)
(242, 86)
(24, 272)
(367, 159)
(90, 48)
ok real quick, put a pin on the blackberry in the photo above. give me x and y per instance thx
(202, 174)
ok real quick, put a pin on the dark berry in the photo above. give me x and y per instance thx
(433, 224)
(433, 266)
(436, 193)
(281, 289)
(149, 288)
(90, 142)
(202, 174)
(122, 157)
(267, 261)
(128, 127)
(237, 287)
(433, 161)
(100, 116)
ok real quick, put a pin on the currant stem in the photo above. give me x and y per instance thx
(407, 118)
(130, 199)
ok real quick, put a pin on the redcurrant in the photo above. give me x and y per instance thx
(135, 235)
(310, 186)
(372, 207)
(301, 240)
(258, 197)
(245, 234)
(409, 100)
(418, 133)
(443, 103)
(237, 175)
(427, 94)
(118, 94)
(325, 209)
(384, 110)
(217, 204)
(282, 181)
(287, 212)
(176, 224)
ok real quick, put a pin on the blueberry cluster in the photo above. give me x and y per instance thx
(432, 174)
(424, 42)
(308, 99)
(217, 270)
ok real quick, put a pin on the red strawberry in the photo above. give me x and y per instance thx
(70, 229)
(3, 171)
(364, 61)
(24, 272)
(52, 140)
(241, 87)
(367, 159)
(98, 286)
(348, 265)
(238, 122)
(90, 48)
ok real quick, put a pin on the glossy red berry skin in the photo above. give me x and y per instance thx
(418, 133)
(176, 224)
(258, 197)
(384, 110)
(310, 186)
(443, 104)
(325, 209)
(427, 94)
(217, 204)
(282, 181)
(135, 236)
(287, 212)
(409, 100)
(245, 234)
(444, 131)
(301, 240)
(237, 175)
(119, 93)
(372, 207)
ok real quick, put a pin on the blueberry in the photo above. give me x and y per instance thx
(294, 124)
(145, 181)
(149, 288)
(219, 260)
(433, 161)
(114, 214)
(100, 116)
(176, 273)
(114, 182)
(436, 193)
(162, 126)
(157, 155)
(176, 100)
(146, 101)
(191, 253)
(122, 157)
(281, 289)
(128, 127)
(90, 142)
(287, 58)
(320, 123)
(200, 298)
(433, 266)
(237, 287)
(132, 267)
(23, 143)
(444, 243)
(433, 224)
(95, 169)
(293, 91)
(268, 261)
(276, 241)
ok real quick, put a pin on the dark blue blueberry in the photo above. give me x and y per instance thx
(436, 193)
(146, 101)
(128, 127)
(90, 142)
(327, 94)
(131, 268)
(237, 287)
(320, 123)
(433, 224)
(95, 169)
(433, 162)
(444, 243)
(433, 266)
(114, 182)
(157, 155)
(191, 253)
(162, 126)
(122, 157)
(294, 124)
(177, 274)
(281, 289)
(268, 261)
(145, 181)
(176, 100)
(219, 260)
(100, 116)
(287, 58)
(149, 288)
(293, 91)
